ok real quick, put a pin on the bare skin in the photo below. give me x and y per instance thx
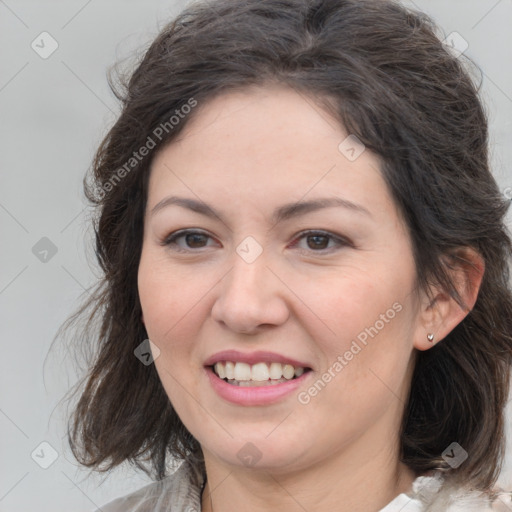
(246, 154)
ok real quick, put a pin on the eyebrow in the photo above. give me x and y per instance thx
(282, 213)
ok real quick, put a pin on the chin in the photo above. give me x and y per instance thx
(260, 454)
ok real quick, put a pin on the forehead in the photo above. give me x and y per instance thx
(267, 144)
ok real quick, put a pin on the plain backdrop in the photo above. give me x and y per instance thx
(54, 113)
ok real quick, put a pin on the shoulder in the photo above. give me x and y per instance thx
(436, 495)
(178, 491)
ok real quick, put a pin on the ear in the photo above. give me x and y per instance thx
(440, 315)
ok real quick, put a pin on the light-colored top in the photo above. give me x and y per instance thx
(181, 492)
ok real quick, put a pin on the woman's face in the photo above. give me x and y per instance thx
(338, 302)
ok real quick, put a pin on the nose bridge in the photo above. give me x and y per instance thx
(249, 294)
(248, 279)
(249, 260)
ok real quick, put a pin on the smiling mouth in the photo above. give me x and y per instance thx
(259, 374)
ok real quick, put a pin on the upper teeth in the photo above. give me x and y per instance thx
(259, 371)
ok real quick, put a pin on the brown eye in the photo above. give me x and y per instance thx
(193, 240)
(318, 241)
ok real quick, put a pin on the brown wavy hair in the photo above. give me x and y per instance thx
(383, 72)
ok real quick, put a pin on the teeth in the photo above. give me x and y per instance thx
(255, 383)
(243, 372)
(220, 370)
(288, 371)
(259, 372)
(276, 370)
(229, 368)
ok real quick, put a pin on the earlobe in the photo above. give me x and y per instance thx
(441, 315)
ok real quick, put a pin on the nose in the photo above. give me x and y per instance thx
(251, 297)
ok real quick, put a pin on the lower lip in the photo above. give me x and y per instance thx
(255, 395)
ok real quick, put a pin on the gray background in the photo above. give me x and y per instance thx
(54, 113)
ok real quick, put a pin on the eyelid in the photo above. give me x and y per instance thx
(340, 240)
(169, 239)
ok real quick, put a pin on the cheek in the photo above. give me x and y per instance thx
(164, 302)
(349, 300)
(368, 315)
(174, 304)
(165, 295)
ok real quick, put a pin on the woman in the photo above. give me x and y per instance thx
(296, 208)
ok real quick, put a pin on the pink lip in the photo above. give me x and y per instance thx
(253, 358)
(258, 395)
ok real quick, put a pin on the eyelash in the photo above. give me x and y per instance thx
(171, 240)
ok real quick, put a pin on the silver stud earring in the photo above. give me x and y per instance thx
(430, 337)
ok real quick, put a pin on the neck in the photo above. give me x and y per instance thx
(330, 484)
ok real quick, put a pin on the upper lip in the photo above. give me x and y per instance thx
(253, 358)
